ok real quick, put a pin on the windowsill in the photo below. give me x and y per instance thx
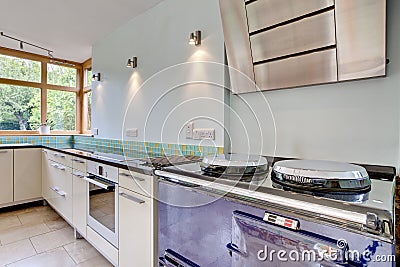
(36, 133)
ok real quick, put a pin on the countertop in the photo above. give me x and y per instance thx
(132, 164)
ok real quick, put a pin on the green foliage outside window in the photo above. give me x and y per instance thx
(20, 106)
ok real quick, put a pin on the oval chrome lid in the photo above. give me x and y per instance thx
(235, 160)
(320, 169)
(321, 176)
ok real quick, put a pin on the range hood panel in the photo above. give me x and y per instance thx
(266, 40)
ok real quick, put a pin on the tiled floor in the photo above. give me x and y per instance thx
(39, 237)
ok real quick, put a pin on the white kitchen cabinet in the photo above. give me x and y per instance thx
(79, 202)
(27, 174)
(136, 234)
(7, 173)
(58, 188)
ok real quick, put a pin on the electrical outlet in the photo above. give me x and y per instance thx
(201, 134)
(189, 130)
(133, 132)
(95, 131)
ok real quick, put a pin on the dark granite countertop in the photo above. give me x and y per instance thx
(132, 164)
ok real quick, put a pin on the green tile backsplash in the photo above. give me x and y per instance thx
(122, 147)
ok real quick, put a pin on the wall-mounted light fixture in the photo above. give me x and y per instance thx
(195, 38)
(132, 63)
(96, 77)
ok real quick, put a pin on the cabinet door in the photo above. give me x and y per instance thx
(7, 172)
(79, 202)
(27, 174)
(135, 229)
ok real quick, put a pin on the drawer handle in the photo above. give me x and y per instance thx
(132, 198)
(3, 151)
(58, 166)
(79, 161)
(79, 175)
(61, 193)
(133, 177)
(58, 155)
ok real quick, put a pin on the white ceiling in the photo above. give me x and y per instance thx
(68, 27)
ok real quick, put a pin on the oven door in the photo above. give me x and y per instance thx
(103, 207)
(257, 243)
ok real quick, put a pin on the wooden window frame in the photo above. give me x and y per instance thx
(44, 86)
(85, 89)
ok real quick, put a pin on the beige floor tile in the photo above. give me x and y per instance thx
(22, 232)
(57, 224)
(9, 222)
(38, 216)
(99, 261)
(80, 250)
(54, 258)
(53, 239)
(16, 251)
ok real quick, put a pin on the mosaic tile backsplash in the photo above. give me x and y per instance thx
(128, 148)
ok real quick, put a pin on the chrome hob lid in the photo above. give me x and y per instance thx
(236, 166)
(321, 176)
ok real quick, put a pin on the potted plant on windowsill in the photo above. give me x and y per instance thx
(44, 128)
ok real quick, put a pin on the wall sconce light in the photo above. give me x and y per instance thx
(132, 63)
(195, 38)
(96, 77)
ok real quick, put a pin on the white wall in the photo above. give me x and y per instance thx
(154, 97)
(354, 121)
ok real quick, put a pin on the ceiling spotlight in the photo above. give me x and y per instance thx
(195, 38)
(132, 63)
(96, 77)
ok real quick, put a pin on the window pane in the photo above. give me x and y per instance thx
(19, 107)
(60, 75)
(20, 69)
(88, 109)
(61, 110)
(88, 77)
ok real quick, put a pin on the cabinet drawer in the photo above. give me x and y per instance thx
(105, 248)
(60, 189)
(136, 182)
(58, 157)
(79, 164)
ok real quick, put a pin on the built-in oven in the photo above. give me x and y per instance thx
(102, 212)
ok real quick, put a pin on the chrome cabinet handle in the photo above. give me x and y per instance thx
(58, 166)
(3, 151)
(77, 160)
(78, 174)
(133, 177)
(61, 193)
(132, 198)
(58, 155)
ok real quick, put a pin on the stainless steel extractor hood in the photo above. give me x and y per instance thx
(275, 44)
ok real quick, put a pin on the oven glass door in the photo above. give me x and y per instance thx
(102, 211)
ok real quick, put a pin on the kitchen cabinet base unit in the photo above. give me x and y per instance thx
(27, 174)
(7, 176)
(105, 248)
(136, 240)
(16, 203)
(79, 202)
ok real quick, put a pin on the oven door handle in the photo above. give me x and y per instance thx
(234, 249)
(99, 184)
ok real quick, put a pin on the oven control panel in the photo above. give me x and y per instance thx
(106, 171)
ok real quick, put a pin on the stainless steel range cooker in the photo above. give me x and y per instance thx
(340, 214)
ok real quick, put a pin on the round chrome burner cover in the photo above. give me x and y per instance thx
(234, 166)
(317, 175)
